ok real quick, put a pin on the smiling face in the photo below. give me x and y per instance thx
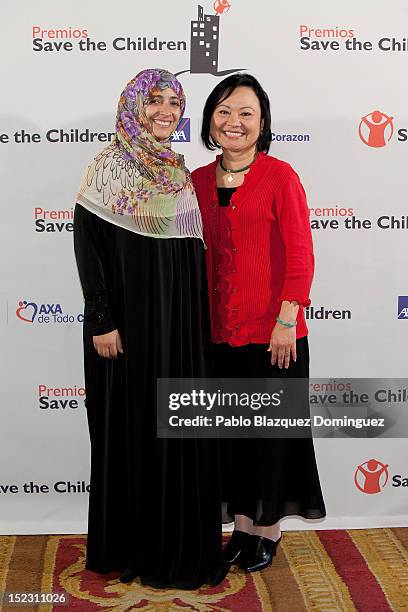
(163, 112)
(236, 121)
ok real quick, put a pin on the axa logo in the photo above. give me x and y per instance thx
(28, 311)
(182, 132)
(371, 476)
(33, 312)
(403, 306)
(205, 40)
(377, 128)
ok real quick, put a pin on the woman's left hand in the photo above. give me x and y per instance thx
(282, 345)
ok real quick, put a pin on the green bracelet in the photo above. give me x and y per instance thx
(285, 323)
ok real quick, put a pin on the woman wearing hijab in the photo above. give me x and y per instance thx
(153, 508)
(260, 269)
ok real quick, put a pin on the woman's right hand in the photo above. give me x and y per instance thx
(108, 345)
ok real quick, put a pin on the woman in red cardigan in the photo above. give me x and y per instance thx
(260, 269)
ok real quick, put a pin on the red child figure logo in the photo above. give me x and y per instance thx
(368, 475)
(221, 6)
(376, 124)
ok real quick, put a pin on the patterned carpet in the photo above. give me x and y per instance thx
(326, 571)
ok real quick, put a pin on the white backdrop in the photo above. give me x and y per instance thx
(324, 66)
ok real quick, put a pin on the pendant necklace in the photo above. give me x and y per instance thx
(231, 172)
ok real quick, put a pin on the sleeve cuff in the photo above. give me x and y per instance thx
(97, 315)
(305, 302)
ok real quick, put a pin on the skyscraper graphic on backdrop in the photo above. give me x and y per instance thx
(205, 35)
(204, 45)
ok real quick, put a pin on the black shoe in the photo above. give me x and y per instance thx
(235, 545)
(222, 574)
(259, 554)
(127, 576)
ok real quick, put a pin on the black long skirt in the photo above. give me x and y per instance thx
(154, 505)
(267, 479)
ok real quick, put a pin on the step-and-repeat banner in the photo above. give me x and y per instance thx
(336, 77)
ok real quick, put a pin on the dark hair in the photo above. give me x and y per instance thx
(225, 89)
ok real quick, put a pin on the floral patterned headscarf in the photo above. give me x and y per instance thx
(139, 182)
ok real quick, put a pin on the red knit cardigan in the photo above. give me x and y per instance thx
(259, 250)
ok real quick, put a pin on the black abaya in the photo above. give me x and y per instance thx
(154, 505)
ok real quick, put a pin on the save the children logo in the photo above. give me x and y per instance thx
(33, 312)
(204, 41)
(64, 398)
(376, 129)
(371, 476)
